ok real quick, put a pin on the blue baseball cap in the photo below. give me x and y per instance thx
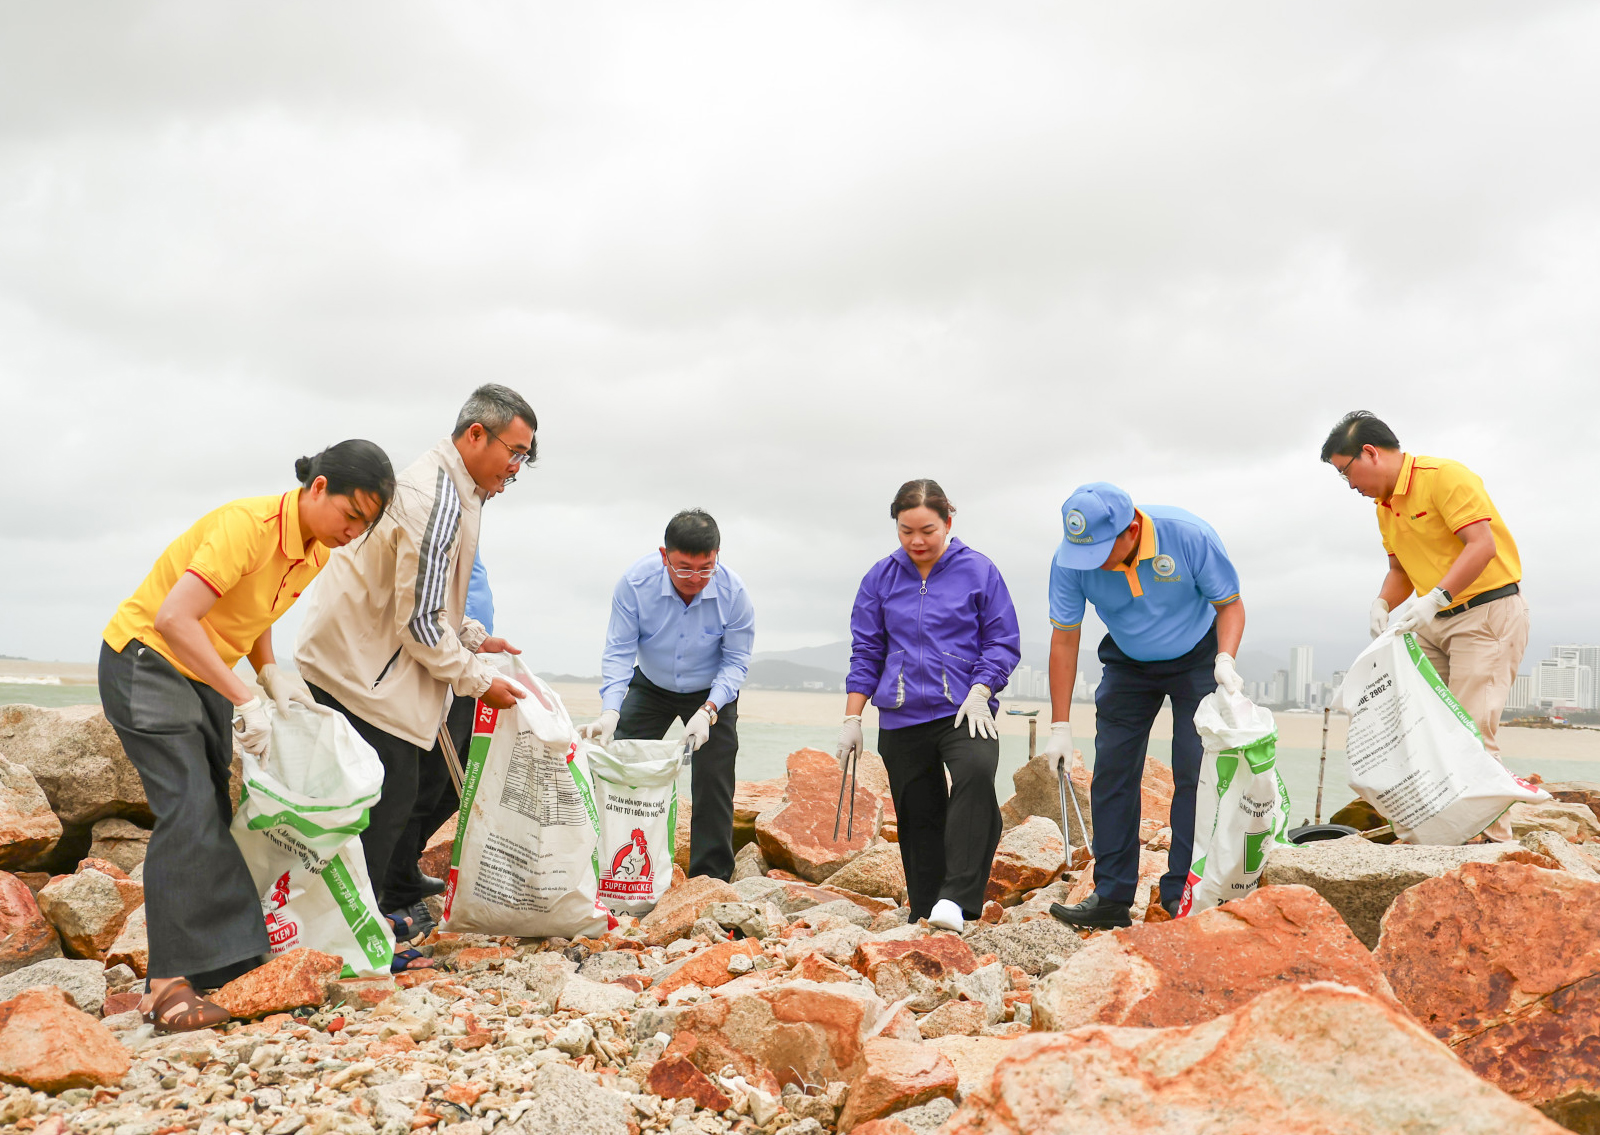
(1092, 517)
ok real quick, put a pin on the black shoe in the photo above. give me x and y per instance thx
(431, 886)
(1093, 913)
(1172, 907)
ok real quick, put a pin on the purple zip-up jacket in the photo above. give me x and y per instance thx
(917, 649)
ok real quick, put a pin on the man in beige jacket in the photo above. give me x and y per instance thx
(386, 636)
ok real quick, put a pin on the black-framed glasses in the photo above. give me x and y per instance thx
(519, 457)
(686, 573)
(1345, 472)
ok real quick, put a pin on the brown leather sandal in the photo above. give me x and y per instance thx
(179, 1009)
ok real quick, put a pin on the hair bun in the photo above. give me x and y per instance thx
(302, 470)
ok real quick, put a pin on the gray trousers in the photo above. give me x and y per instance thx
(203, 914)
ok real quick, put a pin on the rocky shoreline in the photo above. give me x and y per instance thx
(1362, 988)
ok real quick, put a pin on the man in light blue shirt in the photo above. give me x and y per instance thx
(678, 646)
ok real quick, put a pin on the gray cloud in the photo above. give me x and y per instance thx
(774, 262)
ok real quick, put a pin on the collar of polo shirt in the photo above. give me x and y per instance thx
(1147, 550)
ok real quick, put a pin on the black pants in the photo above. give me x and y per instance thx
(386, 819)
(1125, 706)
(947, 837)
(647, 713)
(437, 801)
(201, 906)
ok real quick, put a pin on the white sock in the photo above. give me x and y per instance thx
(946, 915)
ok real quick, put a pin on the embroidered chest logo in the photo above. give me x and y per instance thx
(1164, 566)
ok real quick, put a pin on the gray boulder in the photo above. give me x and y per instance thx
(77, 759)
(83, 980)
(569, 1101)
(1360, 878)
(1035, 947)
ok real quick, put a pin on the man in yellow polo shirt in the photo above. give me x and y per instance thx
(1447, 544)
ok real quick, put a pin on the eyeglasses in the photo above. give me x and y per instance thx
(519, 457)
(1345, 472)
(685, 573)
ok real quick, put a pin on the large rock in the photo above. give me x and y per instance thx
(1029, 856)
(1189, 970)
(1360, 879)
(796, 1033)
(82, 980)
(26, 936)
(28, 828)
(50, 1045)
(88, 910)
(674, 916)
(1038, 793)
(568, 1101)
(877, 872)
(292, 980)
(1574, 820)
(1567, 855)
(1585, 792)
(974, 1058)
(1318, 1058)
(75, 756)
(936, 956)
(750, 799)
(119, 841)
(749, 863)
(132, 947)
(897, 1074)
(798, 836)
(1501, 961)
(674, 1078)
(1035, 947)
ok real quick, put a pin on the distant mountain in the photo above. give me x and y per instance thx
(834, 656)
(779, 674)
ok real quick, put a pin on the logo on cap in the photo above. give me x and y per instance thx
(1075, 526)
(1162, 565)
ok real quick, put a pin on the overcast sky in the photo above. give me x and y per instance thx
(774, 260)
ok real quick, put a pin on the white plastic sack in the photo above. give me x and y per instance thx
(636, 793)
(1241, 804)
(299, 824)
(1415, 754)
(526, 858)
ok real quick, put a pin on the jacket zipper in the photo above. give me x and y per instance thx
(922, 638)
(384, 673)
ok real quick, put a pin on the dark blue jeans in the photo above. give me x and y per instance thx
(1125, 706)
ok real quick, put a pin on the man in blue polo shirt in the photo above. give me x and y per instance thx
(1162, 583)
(688, 623)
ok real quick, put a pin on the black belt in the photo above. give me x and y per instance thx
(1480, 600)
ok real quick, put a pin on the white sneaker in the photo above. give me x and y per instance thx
(946, 915)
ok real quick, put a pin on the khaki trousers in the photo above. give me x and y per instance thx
(1477, 654)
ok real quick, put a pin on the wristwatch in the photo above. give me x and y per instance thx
(711, 711)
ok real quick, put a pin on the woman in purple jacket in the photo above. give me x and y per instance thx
(934, 635)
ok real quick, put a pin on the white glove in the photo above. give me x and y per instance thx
(1060, 743)
(975, 712)
(1378, 617)
(1227, 676)
(602, 729)
(285, 686)
(252, 727)
(697, 730)
(849, 741)
(1421, 613)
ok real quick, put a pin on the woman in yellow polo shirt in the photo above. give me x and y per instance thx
(169, 690)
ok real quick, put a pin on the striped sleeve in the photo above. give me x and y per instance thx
(433, 563)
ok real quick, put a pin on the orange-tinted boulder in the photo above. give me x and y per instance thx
(750, 799)
(795, 1033)
(25, 935)
(798, 837)
(674, 1078)
(1031, 855)
(50, 1045)
(1501, 961)
(28, 828)
(435, 858)
(897, 1074)
(709, 968)
(88, 908)
(1317, 1058)
(1190, 970)
(292, 980)
(937, 956)
(685, 901)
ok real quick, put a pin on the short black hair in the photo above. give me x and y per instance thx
(1355, 430)
(693, 531)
